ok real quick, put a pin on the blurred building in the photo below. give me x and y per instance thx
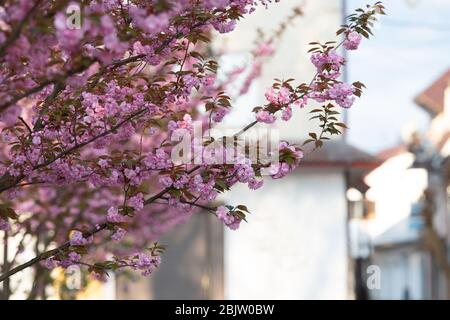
(410, 230)
(295, 245)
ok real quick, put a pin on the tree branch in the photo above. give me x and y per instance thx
(10, 183)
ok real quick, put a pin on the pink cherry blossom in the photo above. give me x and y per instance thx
(265, 117)
(352, 40)
(77, 239)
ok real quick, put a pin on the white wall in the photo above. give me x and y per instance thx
(294, 246)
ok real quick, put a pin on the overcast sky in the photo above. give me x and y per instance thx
(410, 50)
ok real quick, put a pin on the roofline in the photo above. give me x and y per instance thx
(417, 243)
(342, 164)
(418, 100)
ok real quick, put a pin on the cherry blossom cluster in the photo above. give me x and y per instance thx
(229, 217)
(325, 87)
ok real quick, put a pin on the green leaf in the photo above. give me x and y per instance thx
(243, 208)
(7, 212)
(340, 124)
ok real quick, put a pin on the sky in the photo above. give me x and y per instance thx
(411, 49)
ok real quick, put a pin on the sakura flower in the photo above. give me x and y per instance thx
(286, 114)
(74, 257)
(244, 172)
(328, 63)
(146, 263)
(136, 202)
(36, 140)
(113, 215)
(280, 97)
(301, 103)
(264, 49)
(230, 220)
(165, 181)
(352, 41)
(219, 114)
(284, 95)
(289, 159)
(222, 214)
(271, 95)
(224, 26)
(265, 117)
(50, 263)
(103, 163)
(342, 93)
(118, 234)
(77, 239)
(255, 183)
(181, 181)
